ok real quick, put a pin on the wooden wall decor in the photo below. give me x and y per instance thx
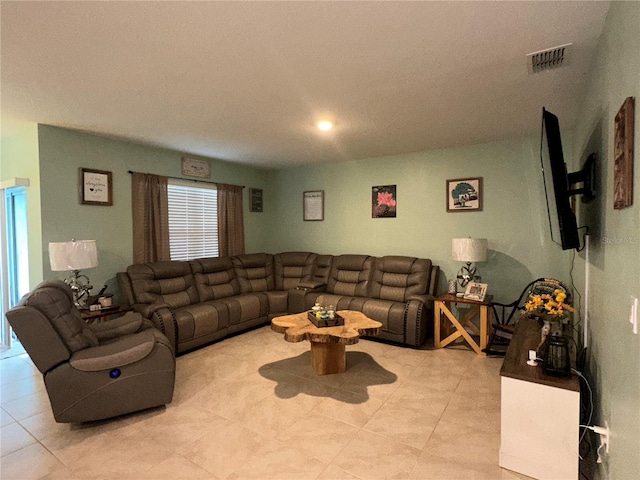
(623, 155)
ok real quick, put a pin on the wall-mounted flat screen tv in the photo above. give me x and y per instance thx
(560, 185)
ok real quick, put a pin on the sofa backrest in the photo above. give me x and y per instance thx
(397, 278)
(215, 278)
(49, 325)
(350, 275)
(254, 272)
(169, 282)
(291, 267)
(321, 269)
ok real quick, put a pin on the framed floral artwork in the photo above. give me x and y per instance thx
(383, 201)
(464, 194)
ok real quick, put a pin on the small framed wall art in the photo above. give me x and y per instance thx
(383, 201)
(313, 205)
(255, 200)
(96, 187)
(623, 155)
(464, 194)
(195, 167)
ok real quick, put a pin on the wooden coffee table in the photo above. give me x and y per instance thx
(328, 343)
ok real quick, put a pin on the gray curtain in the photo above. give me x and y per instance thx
(230, 220)
(150, 205)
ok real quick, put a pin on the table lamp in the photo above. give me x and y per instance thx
(74, 256)
(468, 250)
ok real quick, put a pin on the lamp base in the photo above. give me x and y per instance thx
(467, 274)
(80, 286)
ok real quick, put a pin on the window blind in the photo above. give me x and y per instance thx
(193, 220)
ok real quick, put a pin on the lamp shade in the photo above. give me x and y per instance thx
(73, 255)
(469, 249)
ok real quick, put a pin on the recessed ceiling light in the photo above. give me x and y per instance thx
(325, 125)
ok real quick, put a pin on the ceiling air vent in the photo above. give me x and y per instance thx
(550, 58)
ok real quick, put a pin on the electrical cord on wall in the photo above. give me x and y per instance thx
(586, 382)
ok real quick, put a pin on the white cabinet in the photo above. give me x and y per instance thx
(540, 414)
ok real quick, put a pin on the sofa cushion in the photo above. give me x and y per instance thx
(350, 275)
(397, 278)
(215, 278)
(248, 306)
(254, 272)
(391, 314)
(169, 282)
(291, 267)
(201, 320)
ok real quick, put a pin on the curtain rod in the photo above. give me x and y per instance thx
(180, 178)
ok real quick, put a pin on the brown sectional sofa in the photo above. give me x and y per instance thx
(197, 302)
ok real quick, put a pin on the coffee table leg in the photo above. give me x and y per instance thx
(327, 358)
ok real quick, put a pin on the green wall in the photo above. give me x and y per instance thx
(63, 152)
(513, 218)
(613, 267)
(19, 159)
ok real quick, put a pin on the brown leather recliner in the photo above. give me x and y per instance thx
(92, 372)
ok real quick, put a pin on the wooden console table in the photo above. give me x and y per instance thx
(540, 414)
(442, 306)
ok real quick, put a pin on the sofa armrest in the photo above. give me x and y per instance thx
(125, 351)
(164, 320)
(147, 310)
(315, 285)
(129, 323)
(426, 299)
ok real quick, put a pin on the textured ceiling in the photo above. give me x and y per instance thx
(247, 81)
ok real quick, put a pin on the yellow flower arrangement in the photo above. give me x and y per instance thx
(549, 307)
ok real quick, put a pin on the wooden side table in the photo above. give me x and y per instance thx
(442, 306)
(91, 316)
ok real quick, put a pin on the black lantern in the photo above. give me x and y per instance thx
(556, 357)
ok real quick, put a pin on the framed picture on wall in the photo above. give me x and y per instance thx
(313, 205)
(383, 201)
(255, 200)
(96, 187)
(464, 194)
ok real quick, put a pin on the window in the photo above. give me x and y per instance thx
(193, 220)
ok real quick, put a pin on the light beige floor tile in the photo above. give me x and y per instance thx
(225, 448)
(373, 456)
(318, 436)
(176, 467)
(5, 418)
(417, 395)
(348, 407)
(473, 447)
(31, 462)
(115, 449)
(174, 427)
(412, 427)
(13, 437)
(16, 368)
(334, 473)
(29, 405)
(432, 467)
(278, 461)
(21, 388)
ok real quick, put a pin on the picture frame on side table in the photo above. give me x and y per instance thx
(313, 205)
(464, 194)
(623, 155)
(96, 187)
(476, 291)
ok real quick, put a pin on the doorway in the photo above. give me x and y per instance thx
(14, 256)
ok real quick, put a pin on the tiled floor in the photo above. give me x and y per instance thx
(251, 407)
